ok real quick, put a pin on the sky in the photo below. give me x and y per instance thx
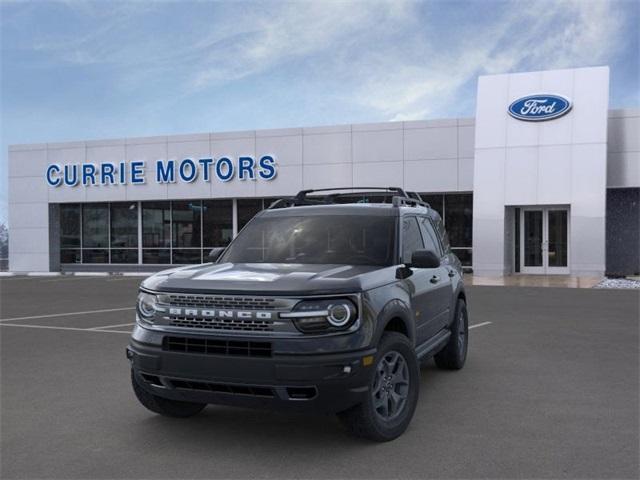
(73, 70)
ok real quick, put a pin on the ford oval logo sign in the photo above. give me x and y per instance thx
(536, 108)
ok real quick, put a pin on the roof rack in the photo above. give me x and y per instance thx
(302, 197)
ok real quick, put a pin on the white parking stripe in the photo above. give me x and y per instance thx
(48, 327)
(113, 326)
(479, 325)
(68, 314)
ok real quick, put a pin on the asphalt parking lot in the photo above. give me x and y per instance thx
(550, 390)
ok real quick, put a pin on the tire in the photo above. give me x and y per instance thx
(397, 371)
(454, 354)
(164, 406)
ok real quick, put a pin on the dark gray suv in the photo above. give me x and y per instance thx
(324, 302)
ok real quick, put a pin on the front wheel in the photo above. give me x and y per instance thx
(454, 354)
(164, 406)
(393, 392)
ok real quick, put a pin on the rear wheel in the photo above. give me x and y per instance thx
(454, 354)
(164, 406)
(393, 392)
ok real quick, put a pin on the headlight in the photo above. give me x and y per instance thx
(146, 305)
(318, 316)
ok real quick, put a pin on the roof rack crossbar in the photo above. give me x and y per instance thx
(399, 198)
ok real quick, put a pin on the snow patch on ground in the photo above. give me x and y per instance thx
(618, 283)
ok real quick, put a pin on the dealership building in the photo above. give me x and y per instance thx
(544, 180)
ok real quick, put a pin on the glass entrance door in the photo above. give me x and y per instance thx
(544, 240)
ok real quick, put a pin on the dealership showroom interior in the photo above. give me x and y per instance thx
(341, 239)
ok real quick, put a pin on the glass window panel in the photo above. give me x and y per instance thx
(532, 238)
(186, 255)
(558, 238)
(217, 223)
(69, 225)
(124, 225)
(186, 223)
(459, 218)
(339, 239)
(464, 255)
(517, 242)
(156, 225)
(411, 238)
(70, 255)
(127, 255)
(435, 200)
(156, 255)
(429, 236)
(95, 225)
(247, 209)
(95, 256)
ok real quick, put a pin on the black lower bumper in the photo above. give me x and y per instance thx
(325, 383)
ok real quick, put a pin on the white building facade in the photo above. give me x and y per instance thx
(545, 179)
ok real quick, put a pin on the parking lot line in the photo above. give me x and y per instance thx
(67, 314)
(112, 326)
(479, 325)
(49, 327)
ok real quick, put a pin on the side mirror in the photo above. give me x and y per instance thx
(215, 253)
(424, 259)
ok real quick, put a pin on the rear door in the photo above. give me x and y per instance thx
(420, 285)
(442, 286)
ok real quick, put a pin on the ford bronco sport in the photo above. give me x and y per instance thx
(323, 302)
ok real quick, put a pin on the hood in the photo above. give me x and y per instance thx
(270, 278)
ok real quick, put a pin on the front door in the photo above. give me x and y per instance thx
(544, 240)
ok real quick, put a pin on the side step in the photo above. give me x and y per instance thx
(431, 346)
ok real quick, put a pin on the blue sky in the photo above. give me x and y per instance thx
(81, 70)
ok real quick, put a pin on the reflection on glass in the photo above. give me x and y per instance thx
(69, 226)
(186, 255)
(458, 211)
(70, 255)
(155, 255)
(124, 225)
(95, 225)
(558, 238)
(247, 209)
(186, 224)
(340, 240)
(217, 223)
(435, 200)
(156, 225)
(95, 256)
(532, 238)
(128, 255)
(464, 255)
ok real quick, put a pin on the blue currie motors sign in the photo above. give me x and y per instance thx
(536, 108)
(187, 170)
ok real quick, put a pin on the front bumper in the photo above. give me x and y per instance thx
(323, 383)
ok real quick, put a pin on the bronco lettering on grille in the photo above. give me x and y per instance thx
(209, 313)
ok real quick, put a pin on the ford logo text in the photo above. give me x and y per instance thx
(536, 108)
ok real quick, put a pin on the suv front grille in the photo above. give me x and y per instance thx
(229, 324)
(222, 302)
(208, 346)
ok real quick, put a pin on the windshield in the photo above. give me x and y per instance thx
(330, 239)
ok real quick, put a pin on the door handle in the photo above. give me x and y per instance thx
(452, 273)
(435, 279)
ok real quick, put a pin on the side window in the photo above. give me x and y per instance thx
(430, 239)
(442, 233)
(411, 238)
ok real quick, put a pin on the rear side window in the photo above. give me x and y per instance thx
(430, 239)
(411, 238)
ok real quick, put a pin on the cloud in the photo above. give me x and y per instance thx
(533, 36)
